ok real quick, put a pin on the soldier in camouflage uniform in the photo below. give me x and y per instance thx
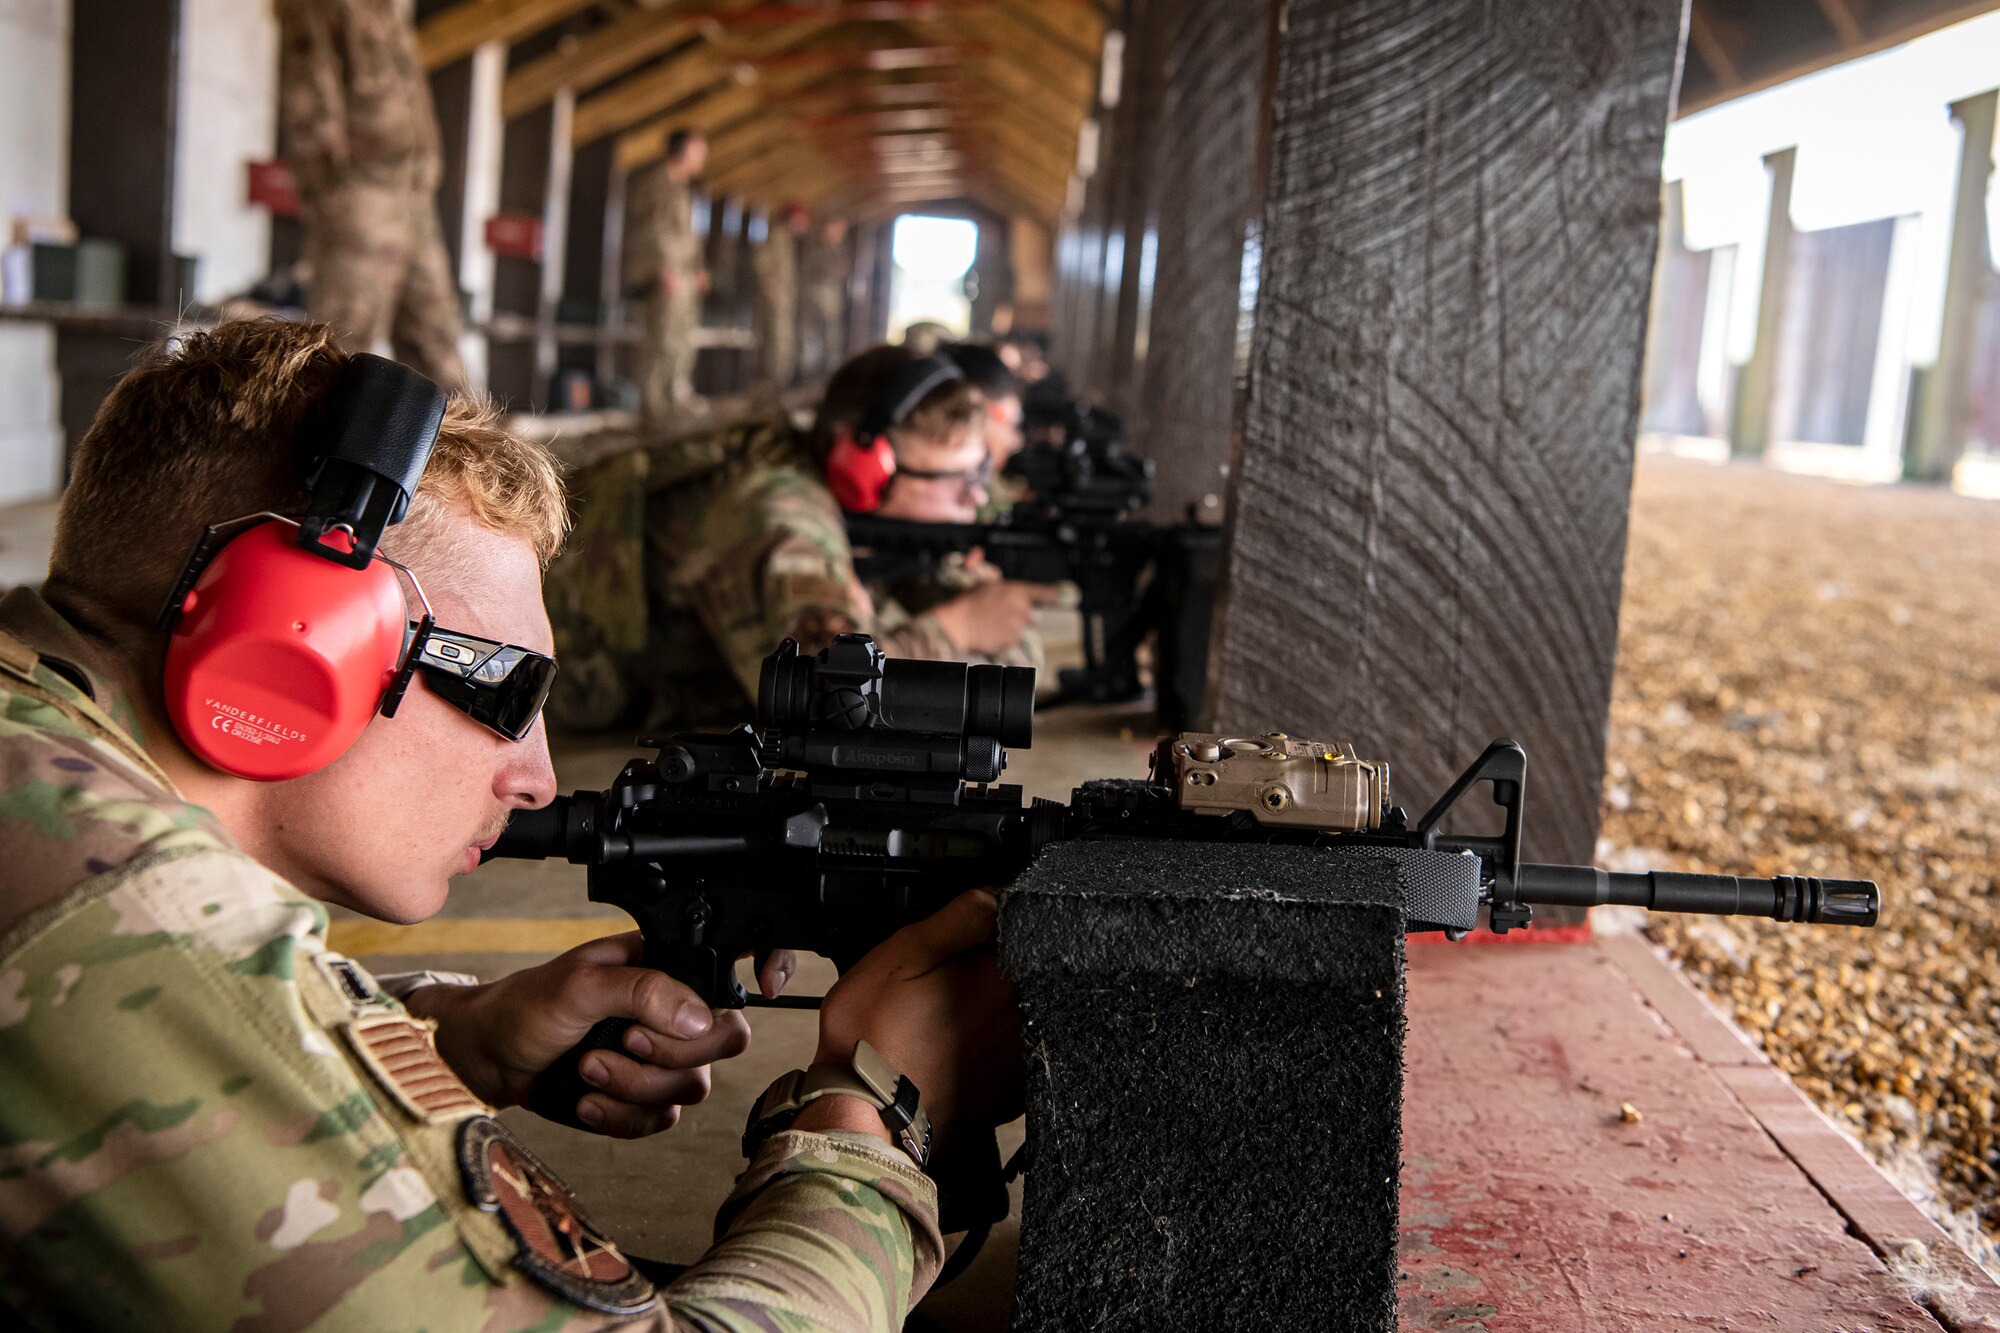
(214, 1121)
(691, 559)
(824, 269)
(362, 143)
(663, 271)
(777, 264)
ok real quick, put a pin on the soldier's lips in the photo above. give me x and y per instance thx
(475, 851)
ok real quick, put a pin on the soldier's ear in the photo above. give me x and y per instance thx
(858, 472)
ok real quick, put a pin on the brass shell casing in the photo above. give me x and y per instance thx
(1280, 781)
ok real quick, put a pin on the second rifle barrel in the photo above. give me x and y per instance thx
(1837, 902)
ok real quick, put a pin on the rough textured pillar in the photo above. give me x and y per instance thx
(1428, 521)
(1750, 417)
(1211, 112)
(1944, 399)
(1215, 1039)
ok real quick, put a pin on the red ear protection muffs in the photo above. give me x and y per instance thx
(858, 474)
(285, 640)
(861, 463)
(281, 657)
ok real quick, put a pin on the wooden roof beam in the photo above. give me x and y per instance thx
(1841, 18)
(601, 56)
(847, 11)
(464, 28)
(653, 93)
(1713, 50)
(1079, 28)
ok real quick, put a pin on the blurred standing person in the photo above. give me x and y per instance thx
(361, 139)
(826, 267)
(663, 270)
(777, 264)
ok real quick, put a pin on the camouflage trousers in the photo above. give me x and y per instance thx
(777, 342)
(822, 337)
(666, 355)
(380, 271)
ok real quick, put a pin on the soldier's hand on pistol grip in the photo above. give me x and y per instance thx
(500, 1036)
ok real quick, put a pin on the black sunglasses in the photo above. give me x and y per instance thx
(501, 686)
(969, 479)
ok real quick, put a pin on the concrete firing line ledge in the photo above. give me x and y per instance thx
(1530, 1205)
(1961, 1294)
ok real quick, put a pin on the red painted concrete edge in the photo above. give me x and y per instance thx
(1687, 1011)
(1942, 1277)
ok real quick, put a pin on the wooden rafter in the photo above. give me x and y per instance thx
(465, 27)
(836, 99)
(1055, 68)
(601, 56)
(1709, 45)
(1846, 25)
(680, 79)
(1078, 29)
(720, 106)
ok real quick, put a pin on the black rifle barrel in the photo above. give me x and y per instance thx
(1834, 902)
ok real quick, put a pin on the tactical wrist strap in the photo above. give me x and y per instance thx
(868, 1077)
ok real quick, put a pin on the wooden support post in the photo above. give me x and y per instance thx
(611, 277)
(1750, 418)
(1937, 429)
(555, 236)
(1428, 518)
(485, 140)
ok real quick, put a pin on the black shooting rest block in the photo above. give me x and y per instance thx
(1215, 1074)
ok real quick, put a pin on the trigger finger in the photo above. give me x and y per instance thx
(774, 969)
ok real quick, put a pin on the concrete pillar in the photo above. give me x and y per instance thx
(555, 233)
(611, 362)
(1750, 418)
(485, 136)
(1943, 398)
(1428, 515)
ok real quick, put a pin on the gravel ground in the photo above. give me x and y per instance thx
(1809, 682)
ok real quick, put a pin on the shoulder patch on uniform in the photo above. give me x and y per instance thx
(401, 1054)
(555, 1244)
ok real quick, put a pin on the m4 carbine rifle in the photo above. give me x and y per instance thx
(866, 798)
(1135, 580)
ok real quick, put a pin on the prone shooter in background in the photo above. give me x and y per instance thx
(693, 558)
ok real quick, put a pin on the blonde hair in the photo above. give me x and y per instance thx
(213, 425)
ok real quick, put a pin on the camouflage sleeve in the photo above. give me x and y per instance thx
(904, 635)
(775, 564)
(822, 1232)
(312, 99)
(197, 1147)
